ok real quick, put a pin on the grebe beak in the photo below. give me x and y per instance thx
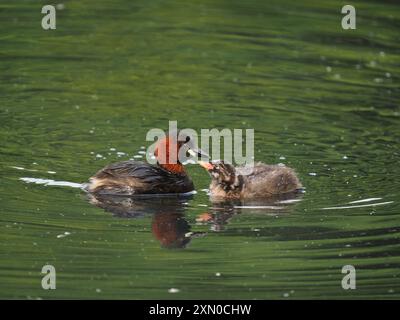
(206, 165)
(196, 152)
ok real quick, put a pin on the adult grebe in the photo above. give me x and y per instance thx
(168, 176)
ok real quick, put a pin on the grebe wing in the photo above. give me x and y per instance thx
(132, 169)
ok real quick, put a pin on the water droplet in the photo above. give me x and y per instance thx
(60, 6)
(66, 233)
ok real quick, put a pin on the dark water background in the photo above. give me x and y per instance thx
(322, 100)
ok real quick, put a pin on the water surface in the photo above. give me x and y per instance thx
(322, 100)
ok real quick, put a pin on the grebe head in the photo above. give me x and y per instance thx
(224, 174)
(175, 147)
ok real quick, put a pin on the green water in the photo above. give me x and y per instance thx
(321, 99)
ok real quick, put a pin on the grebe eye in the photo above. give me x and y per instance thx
(187, 139)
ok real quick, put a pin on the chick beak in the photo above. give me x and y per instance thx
(206, 165)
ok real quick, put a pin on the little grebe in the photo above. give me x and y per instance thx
(258, 181)
(137, 178)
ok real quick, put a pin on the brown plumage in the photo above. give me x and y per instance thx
(135, 177)
(258, 181)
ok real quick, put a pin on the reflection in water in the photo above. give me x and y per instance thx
(222, 211)
(168, 226)
(172, 230)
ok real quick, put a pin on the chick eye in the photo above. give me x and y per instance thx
(187, 139)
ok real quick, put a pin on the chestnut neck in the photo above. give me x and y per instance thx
(166, 152)
(174, 168)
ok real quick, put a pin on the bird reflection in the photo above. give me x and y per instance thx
(172, 230)
(168, 226)
(221, 212)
